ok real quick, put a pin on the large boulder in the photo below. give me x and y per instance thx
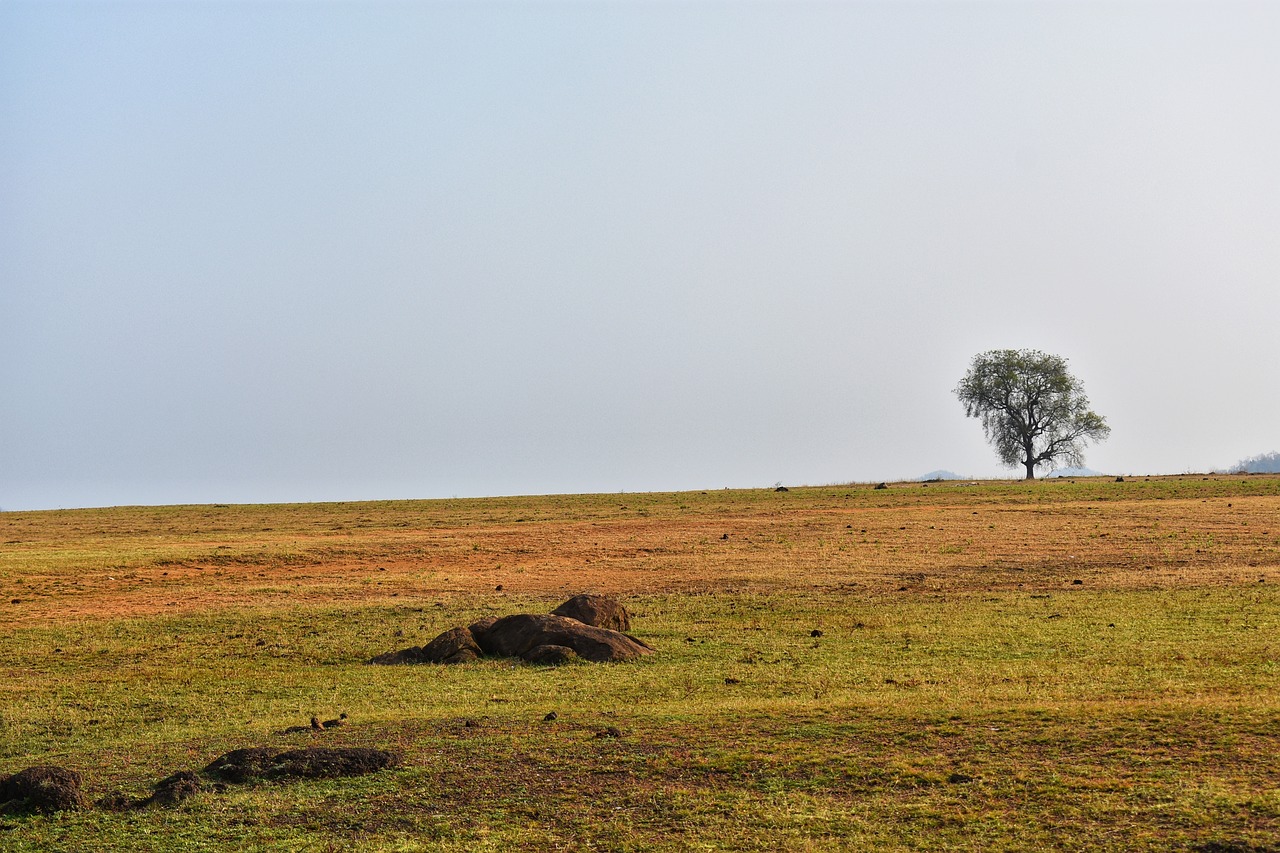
(480, 626)
(456, 645)
(43, 789)
(599, 611)
(518, 635)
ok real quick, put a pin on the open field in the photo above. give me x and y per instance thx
(1084, 665)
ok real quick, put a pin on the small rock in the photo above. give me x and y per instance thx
(732, 681)
(610, 731)
(959, 778)
(815, 633)
(498, 588)
(551, 717)
(882, 485)
(1077, 582)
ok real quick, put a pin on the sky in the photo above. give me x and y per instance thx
(304, 251)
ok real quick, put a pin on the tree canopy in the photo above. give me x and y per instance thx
(1033, 411)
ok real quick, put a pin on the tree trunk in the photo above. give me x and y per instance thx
(1031, 470)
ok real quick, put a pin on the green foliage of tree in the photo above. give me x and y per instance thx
(1263, 463)
(1034, 412)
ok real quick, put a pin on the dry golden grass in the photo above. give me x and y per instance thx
(1162, 532)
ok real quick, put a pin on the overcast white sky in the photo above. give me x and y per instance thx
(318, 251)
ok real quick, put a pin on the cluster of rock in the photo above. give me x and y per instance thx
(587, 627)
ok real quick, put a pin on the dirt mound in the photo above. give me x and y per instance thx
(244, 765)
(173, 789)
(519, 635)
(323, 763)
(43, 789)
(599, 611)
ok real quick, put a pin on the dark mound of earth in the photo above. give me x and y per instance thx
(44, 789)
(244, 765)
(173, 789)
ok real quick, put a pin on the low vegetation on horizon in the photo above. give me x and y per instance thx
(1003, 665)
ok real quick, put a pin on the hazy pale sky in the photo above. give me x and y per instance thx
(319, 251)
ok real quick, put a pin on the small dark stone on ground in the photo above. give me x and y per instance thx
(782, 489)
(815, 633)
(882, 485)
(610, 731)
(959, 778)
(549, 717)
(732, 681)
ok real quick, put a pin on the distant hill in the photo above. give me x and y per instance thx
(1263, 463)
(940, 475)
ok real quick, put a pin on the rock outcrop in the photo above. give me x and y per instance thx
(586, 627)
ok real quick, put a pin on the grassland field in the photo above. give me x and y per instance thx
(1055, 665)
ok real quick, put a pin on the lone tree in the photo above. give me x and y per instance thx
(1033, 411)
